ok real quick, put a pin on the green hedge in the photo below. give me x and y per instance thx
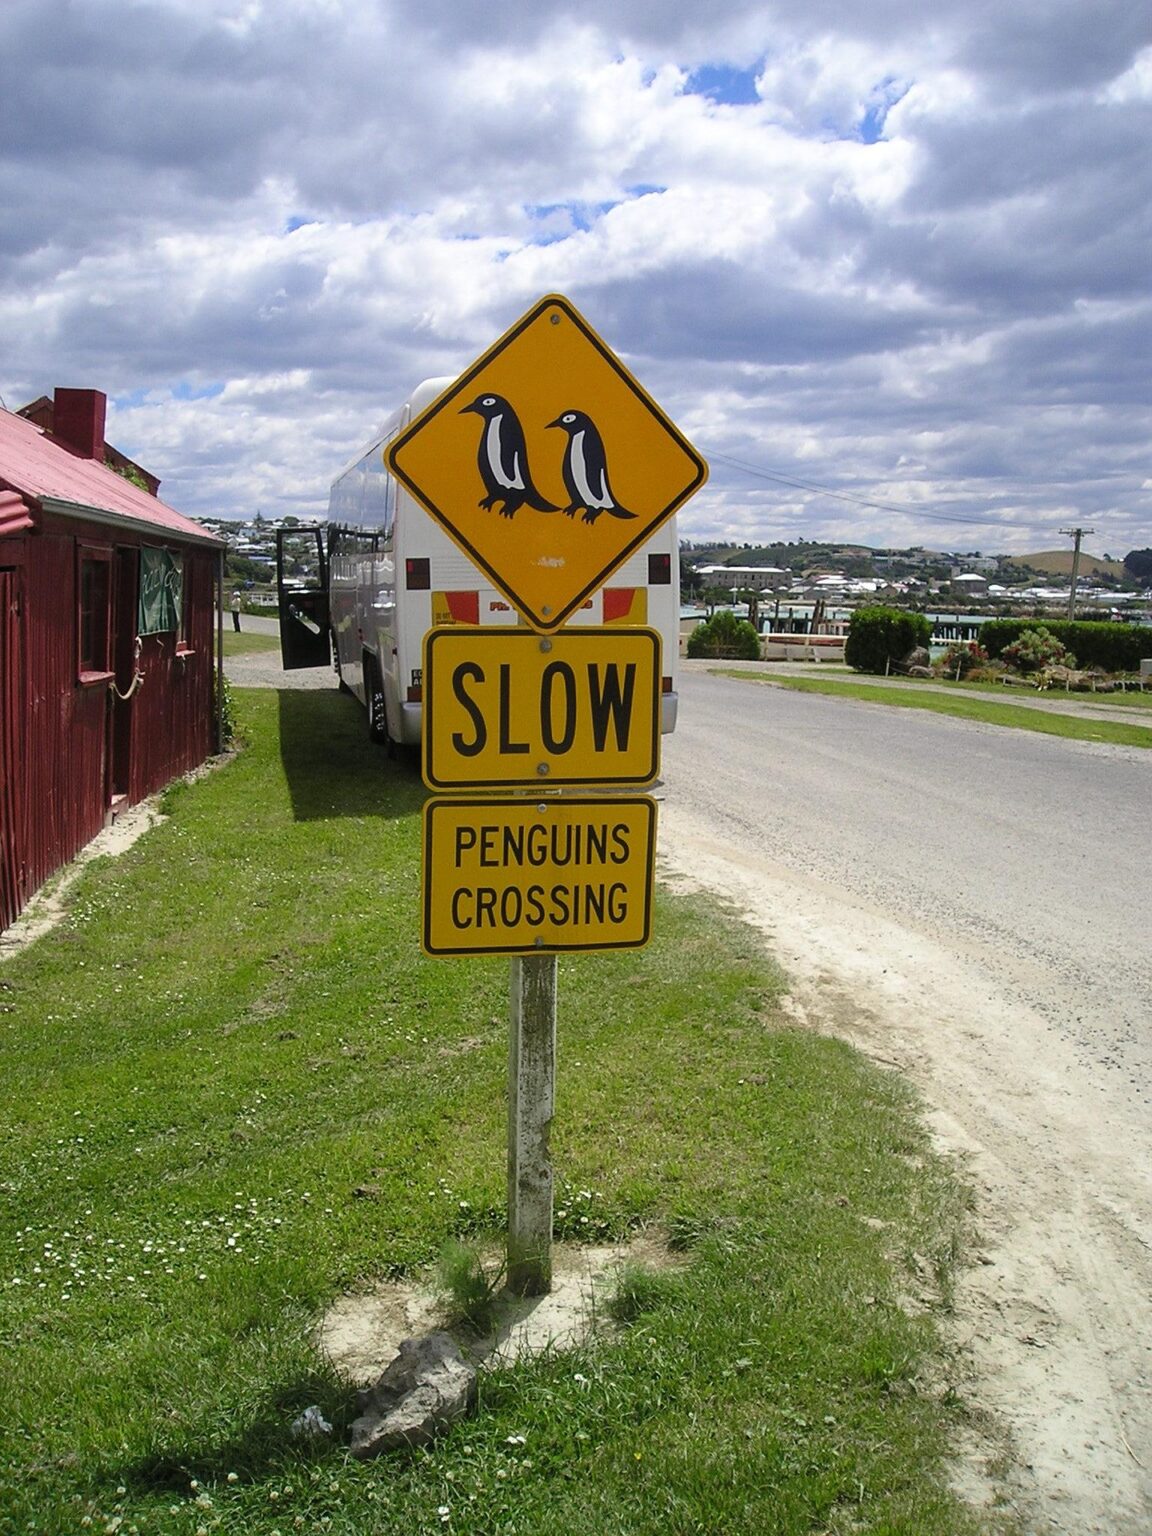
(879, 635)
(1113, 647)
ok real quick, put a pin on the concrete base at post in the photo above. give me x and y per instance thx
(531, 1101)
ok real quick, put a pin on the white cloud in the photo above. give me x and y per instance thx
(1135, 84)
(880, 250)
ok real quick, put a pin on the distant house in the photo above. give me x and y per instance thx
(108, 600)
(970, 584)
(755, 578)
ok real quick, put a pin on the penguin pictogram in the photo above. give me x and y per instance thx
(586, 469)
(502, 458)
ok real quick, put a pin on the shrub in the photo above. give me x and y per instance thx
(878, 636)
(962, 657)
(725, 635)
(1036, 649)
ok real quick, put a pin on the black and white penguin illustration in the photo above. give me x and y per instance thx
(586, 469)
(503, 460)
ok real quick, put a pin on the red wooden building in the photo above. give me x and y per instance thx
(108, 603)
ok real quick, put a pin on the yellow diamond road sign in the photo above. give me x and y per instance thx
(547, 463)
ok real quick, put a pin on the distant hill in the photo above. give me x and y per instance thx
(855, 559)
(1058, 562)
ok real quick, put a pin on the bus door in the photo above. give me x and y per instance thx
(302, 597)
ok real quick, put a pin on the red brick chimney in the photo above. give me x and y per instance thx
(78, 421)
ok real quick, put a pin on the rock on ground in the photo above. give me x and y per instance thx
(426, 1388)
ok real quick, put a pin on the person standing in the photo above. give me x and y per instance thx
(236, 611)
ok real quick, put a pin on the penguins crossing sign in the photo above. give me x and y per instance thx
(547, 463)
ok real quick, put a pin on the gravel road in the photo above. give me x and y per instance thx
(967, 904)
(262, 669)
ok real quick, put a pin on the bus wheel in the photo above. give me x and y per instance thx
(374, 694)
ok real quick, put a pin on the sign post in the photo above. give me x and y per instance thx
(549, 465)
(531, 1103)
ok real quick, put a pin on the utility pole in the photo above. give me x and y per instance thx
(1077, 534)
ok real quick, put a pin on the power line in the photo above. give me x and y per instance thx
(864, 501)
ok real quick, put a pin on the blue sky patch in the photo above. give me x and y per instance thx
(580, 215)
(888, 94)
(182, 390)
(725, 84)
(559, 220)
(186, 391)
(565, 218)
(130, 401)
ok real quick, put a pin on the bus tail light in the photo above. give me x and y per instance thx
(418, 575)
(660, 570)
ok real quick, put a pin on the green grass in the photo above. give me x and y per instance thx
(965, 704)
(247, 643)
(1131, 700)
(235, 1031)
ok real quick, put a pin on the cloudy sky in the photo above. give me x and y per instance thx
(889, 266)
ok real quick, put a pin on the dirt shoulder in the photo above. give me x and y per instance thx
(1052, 1316)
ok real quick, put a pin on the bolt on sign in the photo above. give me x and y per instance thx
(508, 707)
(523, 877)
(547, 463)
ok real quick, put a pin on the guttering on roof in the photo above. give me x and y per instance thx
(123, 520)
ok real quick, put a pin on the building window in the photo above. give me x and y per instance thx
(161, 591)
(95, 630)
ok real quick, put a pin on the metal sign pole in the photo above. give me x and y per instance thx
(531, 1104)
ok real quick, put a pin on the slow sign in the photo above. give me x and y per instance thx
(506, 708)
(525, 876)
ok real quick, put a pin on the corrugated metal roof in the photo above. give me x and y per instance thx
(36, 467)
(14, 516)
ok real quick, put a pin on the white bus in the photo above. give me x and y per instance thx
(388, 573)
